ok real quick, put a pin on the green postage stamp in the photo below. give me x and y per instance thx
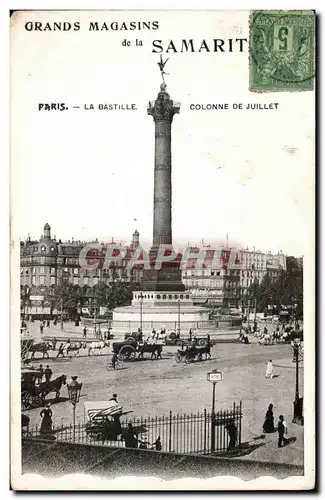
(282, 50)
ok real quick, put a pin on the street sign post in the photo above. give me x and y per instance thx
(214, 376)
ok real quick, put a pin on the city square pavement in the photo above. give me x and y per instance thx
(155, 387)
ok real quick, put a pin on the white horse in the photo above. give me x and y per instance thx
(97, 347)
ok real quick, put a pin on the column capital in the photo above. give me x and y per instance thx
(163, 108)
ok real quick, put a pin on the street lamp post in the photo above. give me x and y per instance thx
(74, 390)
(141, 306)
(61, 310)
(213, 377)
(65, 277)
(179, 318)
(297, 404)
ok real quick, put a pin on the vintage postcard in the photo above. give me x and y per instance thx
(162, 263)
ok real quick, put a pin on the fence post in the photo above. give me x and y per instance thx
(170, 431)
(213, 418)
(240, 418)
(205, 430)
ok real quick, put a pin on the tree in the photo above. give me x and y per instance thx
(285, 290)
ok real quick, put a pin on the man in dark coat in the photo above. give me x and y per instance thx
(282, 429)
(157, 444)
(232, 433)
(131, 440)
(48, 374)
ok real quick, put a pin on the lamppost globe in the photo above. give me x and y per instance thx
(74, 389)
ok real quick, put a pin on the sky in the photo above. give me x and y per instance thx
(248, 174)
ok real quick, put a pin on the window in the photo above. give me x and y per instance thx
(86, 280)
(95, 280)
(42, 280)
(170, 297)
(41, 270)
(164, 296)
(181, 296)
(53, 280)
(52, 270)
(187, 296)
(218, 273)
(158, 296)
(75, 270)
(34, 280)
(75, 280)
(212, 273)
(34, 270)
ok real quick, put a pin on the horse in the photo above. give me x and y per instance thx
(42, 347)
(52, 386)
(194, 351)
(154, 349)
(98, 346)
(75, 347)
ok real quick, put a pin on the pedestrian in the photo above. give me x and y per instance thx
(48, 374)
(268, 425)
(46, 424)
(269, 369)
(40, 376)
(60, 351)
(232, 433)
(282, 429)
(131, 440)
(41, 327)
(114, 398)
(48, 323)
(157, 444)
(84, 332)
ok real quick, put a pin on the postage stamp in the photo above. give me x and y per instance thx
(282, 50)
(151, 338)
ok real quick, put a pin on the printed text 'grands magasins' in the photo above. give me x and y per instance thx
(158, 46)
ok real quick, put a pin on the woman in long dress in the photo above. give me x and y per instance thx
(269, 370)
(268, 425)
(46, 424)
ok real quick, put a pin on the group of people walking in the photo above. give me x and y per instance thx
(47, 373)
(281, 428)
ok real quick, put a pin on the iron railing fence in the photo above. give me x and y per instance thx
(179, 433)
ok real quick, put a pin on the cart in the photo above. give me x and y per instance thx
(30, 395)
(103, 420)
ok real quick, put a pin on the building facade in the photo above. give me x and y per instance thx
(213, 282)
(228, 282)
(44, 263)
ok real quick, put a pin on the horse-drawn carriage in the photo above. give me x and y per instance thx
(30, 394)
(29, 346)
(193, 353)
(131, 349)
(34, 392)
(103, 420)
